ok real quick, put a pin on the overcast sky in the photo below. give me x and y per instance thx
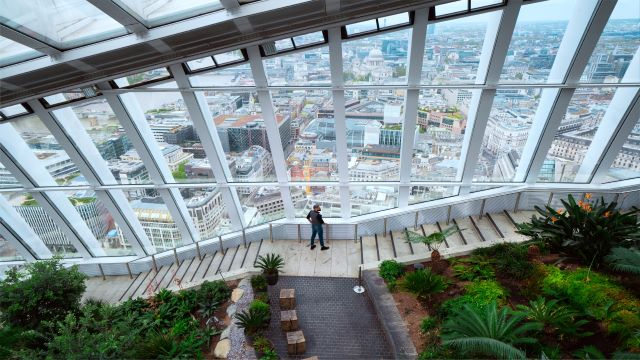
(561, 10)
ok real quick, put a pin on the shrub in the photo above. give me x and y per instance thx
(477, 294)
(213, 291)
(259, 305)
(473, 268)
(427, 324)
(511, 259)
(258, 283)
(554, 316)
(253, 320)
(624, 260)
(44, 292)
(423, 283)
(262, 344)
(438, 352)
(270, 354)
(584, 229)
(488, 331)
(262, 296)
(390, 270)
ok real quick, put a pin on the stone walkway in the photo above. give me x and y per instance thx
(337, 323)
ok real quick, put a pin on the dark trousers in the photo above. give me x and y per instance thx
(317, 229)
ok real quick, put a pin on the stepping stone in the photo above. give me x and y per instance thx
(312, 358)
(296, 343)
(287, 299)
(288, 320)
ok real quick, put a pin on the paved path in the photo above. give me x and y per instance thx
(337, 323)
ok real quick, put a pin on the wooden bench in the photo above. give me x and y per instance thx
(296, 343)
(288, 320)
(287, 299)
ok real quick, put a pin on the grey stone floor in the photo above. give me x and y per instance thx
(337, 323)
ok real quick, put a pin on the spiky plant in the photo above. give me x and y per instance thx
(488, 331)
(270, 263)
(553, 316)
(423, 283)
(624, 260)
(433, 240)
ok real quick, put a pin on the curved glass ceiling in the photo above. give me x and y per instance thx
(12, 52)
(158, 12)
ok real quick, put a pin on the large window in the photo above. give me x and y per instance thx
(374, 121)
(441, 127)
(506, 134)
(573, 138)
(239, 75)
(627, 163)
(261, 204)
(6, 179)
(328, 197)
(8, 252)
(300, 68)
(207, 210)
(156, 220)
(420, 194)
(536, 39)
(370, 199)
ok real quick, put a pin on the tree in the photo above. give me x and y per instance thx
(44, 291)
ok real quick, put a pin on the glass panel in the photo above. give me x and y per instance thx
(47, 150)
(261, 204)
(12, 52)
(328, 197)
(71, 95)
(143, 77)
(452, 7)
(536, 40)
(36, 216)
(8, 252)
(311, 149)
(377, 60)
(506, 134)
(627, 164)
(110, 139)
(478, 188)
(362, 26)
(572, 140)
(201, 63)
(239, 75)
(13, 110)
(229, 57)
(370, 199)
(159, 12)
(307, 68)
(393, 20)
(207, 211)
(173, 130)
(241, 129)
(617, 45)
(420, 194)
(441, 125)
(482, 3)
(374, 133)
(308, 39)
(60, 23)
(283, 44)
(6, 179)
(156, 220)
(100, 222)
(453, 49)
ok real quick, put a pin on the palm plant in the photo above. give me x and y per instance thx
(624, 260)
(270, 265)
(553, 317)
(433, 240)
(488, 331)
(423, 283)
(253, 320)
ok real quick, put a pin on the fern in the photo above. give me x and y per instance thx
(624, 260)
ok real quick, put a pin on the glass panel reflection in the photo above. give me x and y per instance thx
(328, 197)
(627, 163)
(159, 12)
(13, 52)
(370, 199)
(306, 68)
(8, 252)
(420, 194)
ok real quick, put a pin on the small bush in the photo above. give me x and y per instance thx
(510, 259)
(262, 296)
(213, 292)
(253, 320)
(262, 344)
(390, 270)
(259, 305)
(270, 354)
(477, 294)
(473, 268)
(428, 324)
(423, 283)
(258, 283)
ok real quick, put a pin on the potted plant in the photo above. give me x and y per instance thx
(270, 265)
(433, 240)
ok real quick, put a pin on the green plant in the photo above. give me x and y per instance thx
(589, 352)
(258, 283)
(262, 296)
(423, 283)
(553, 316)
(477, 294)
(270, 263)
(438, 352)
(270, 354)
(473, 268)
(44, 292)
(585, 229)
(253, 320)
(390, 270)
(259, 305)
(624, 260)
(262, 344)
(433, 240)
(488, 331)
(428, 324)
(508, 258)
(213, 292)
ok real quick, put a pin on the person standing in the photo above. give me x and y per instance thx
(315, 218)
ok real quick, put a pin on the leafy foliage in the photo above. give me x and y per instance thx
(259, 305)
(270, 263)
(553, 316)
(433, 240)
(259, 283)
(253, 320)
(390, 270)
(44, 292)
(488, 331)
(423, 283)
(624, 260)
(428, 324)
(584, 229)
(473, 268)
(511, 259)
(589, 352)
(478, 294)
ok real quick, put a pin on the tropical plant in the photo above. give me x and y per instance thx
(390, 270)
(473, 268)
(253, 320)
(423, 283)
(624, 260)
(45, 291)
(262, 344)
(270, 354)
(259, 305)
(271, 264)
(488, 331)
(433, 240)
(585, 229)
(553, 316)
(478, 294)
(212, 292)
(508, 258)
(427, 324)
(259, 283)
(588, 352)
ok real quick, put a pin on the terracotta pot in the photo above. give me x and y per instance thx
(272, 278)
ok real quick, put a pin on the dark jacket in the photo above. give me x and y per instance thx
(315, 217)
